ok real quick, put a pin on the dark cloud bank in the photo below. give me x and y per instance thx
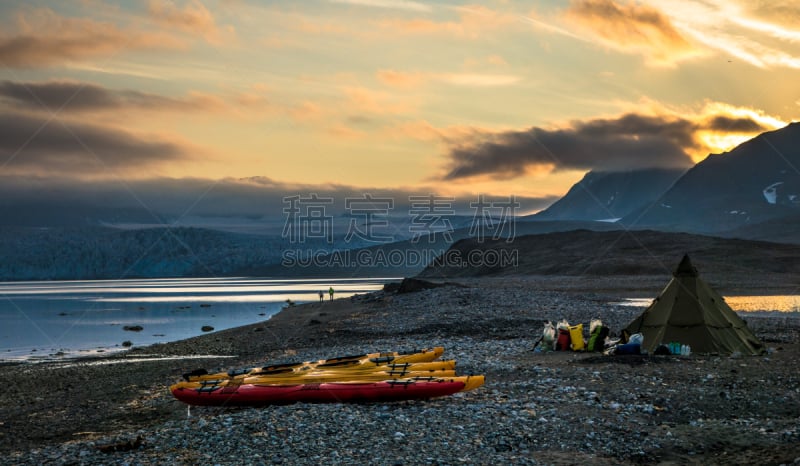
(76, 96)
(193, 201)
(630, 142)
(42, 144)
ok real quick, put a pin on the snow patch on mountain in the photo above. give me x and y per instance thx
(771, 192)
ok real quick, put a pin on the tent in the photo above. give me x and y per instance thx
(689, 312)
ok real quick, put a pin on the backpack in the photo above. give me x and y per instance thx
(563, 341)
(576, 337)
(598, 338)
(548, 336)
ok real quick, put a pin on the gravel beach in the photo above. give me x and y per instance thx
(535, 408)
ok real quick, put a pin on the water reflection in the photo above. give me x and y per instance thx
(779, 303)
(764, 303)
(80, 315)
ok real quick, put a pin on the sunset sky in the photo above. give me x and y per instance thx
(409, 96)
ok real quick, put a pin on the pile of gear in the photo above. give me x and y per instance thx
(566, 337)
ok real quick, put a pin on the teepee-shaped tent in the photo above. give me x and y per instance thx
(688, 311)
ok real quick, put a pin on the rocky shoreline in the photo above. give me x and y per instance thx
(536, 408)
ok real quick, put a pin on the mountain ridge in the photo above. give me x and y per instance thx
(755, 182)
(641, 252)
(602, 195)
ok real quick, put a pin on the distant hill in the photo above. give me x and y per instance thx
(778, 230)
(400, 258)
(756, 182)
(611, 195)
(105, 253)
(70, 213)
(583, 252)
(94, 252)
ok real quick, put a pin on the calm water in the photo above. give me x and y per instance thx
(779, 303)
(38, 319)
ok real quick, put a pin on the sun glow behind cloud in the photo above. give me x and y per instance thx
(727, 137)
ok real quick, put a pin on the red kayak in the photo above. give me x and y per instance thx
(333, 392)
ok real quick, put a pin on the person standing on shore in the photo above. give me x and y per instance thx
(330, 292)
(321, 296)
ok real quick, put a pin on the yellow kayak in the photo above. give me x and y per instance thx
(362, 368)
(471, 382)
(341, 376)
(317, 377)
(369, 362)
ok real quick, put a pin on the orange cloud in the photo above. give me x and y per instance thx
(400, 79)
(406, 80)
(778, 12)
(391, 4)
(314, 26)
(479, 80)
(473, 23)
(306, 111)
(496, 60)
(44, 38)
(632, 28)
(422, 130)
(764, 36)
(363, 100)
(193, 18)
(279, 41)
(345, 132)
